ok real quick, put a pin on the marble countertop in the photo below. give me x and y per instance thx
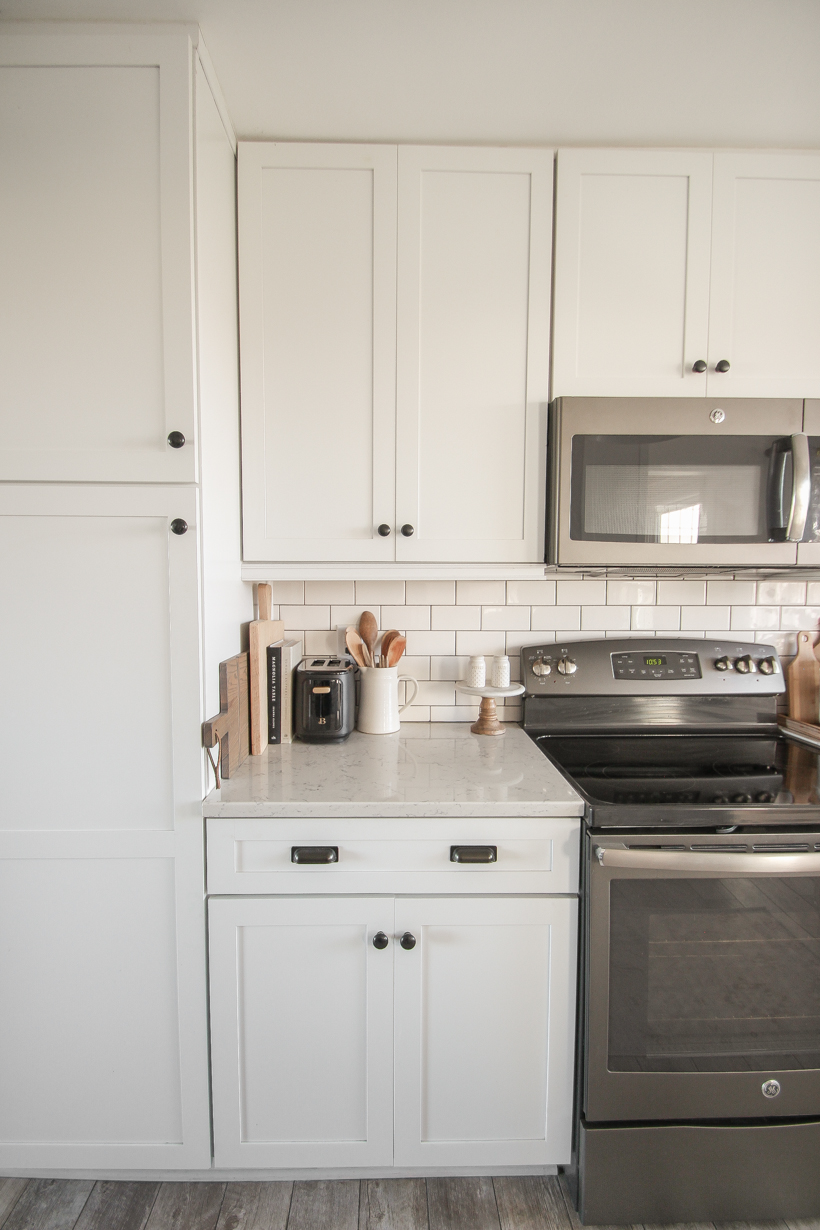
(427, 769)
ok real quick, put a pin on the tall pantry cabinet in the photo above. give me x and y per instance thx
(119, 553)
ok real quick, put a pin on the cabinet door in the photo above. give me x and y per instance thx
(301, 1031)
(473, 352)
(485, 1006)
(632, 239)
(96, 314)
(317, 276)
(765, 298)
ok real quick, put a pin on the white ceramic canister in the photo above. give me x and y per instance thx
(379, 699)
(476, 672)
(501, 672)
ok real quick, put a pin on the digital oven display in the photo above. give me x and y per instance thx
(646, 666)
(654, 661)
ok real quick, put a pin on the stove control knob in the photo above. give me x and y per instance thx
(741, 798)
(766, 666)
(567, 666)
(746, 665)
(722, 664)
(721, 799)
(764, 797)
(540, 667)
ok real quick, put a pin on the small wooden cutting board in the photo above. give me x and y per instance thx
(230, 726)
(262, 632)
(804, 682)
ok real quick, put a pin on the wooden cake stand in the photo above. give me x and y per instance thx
(488, 723)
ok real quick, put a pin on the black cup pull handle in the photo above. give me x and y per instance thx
(473, 854)
(314, 854)
(408, 941)
(380, 940)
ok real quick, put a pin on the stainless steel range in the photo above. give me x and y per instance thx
(699, 1010)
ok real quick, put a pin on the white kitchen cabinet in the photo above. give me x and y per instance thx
(394, 420)
(97, 363)
(668, 259)
(313, 1028)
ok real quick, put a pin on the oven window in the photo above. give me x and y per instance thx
(678, 489)
(712, 975)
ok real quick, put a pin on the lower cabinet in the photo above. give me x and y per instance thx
(419, 1032)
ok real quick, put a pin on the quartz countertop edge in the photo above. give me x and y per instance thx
(425, 769)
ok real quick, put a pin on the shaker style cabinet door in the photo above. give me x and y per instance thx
(301, 1031)
(474, 231)
(484, 1010)
(317, 277)
(96, 282)
(632, 245)
(764, 322)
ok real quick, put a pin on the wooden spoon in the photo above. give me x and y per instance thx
(369, 631)
(387, 641)
(397, 648)
(356, 646)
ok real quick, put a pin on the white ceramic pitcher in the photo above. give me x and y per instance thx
(379, 699)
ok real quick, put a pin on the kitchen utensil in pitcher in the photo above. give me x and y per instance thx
(387, 641)
(369, 632)
(356, 646)
(397, 648)
(379, 707)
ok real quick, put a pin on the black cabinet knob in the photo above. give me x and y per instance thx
(176, 439)
(699, 366)
(408, 941)
(722, 366)
(178, 526)
(380, 940)
(383, 530)
(408, 531)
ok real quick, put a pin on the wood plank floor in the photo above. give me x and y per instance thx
(339, 1204)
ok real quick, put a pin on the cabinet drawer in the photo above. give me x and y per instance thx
(530, 855)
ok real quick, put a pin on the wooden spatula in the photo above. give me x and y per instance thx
(804, 682)
(369, 632)
(398, 646)
(387, 641)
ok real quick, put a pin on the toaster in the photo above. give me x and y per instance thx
(325, 700)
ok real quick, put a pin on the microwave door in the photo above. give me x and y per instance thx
(808, 552)
(651, 483)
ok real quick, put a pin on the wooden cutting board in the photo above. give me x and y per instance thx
(262, 632)
(804, 682)
(230, 726)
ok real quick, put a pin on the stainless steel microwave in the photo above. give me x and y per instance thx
(694, 482)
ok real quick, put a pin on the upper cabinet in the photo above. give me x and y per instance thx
(394, 315)
(682, 273)
(97, 359)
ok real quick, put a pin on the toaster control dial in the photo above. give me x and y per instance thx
(567, 666)
(540, 667)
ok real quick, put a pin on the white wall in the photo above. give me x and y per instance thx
(553, 72)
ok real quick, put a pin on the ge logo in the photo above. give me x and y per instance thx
(771, 1089)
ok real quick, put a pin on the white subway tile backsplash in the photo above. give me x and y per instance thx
(730, 593)
(694, 634)
(614, 633)
(317, 617)
(436, 692)
(505, 617)
(530, 593)
(418, 667)
(427, 593)
(406, 617)
(330, 591)
(553, 617)
(469, 643)
(783, 593)
(605, 618)
(417, 713)
(379, 592)
(813, 593)
(516, 639)
(288, 591)
(656, 618)
(799, 618)
(466, 617)
(318, 642)
(757, 617)
(344, 616)
(630, 593)
(568, 593)
(426, 643)
(456, 713)
(693, 618)
(784, 642)
(448, 667)
(678, 593)
(476, 593)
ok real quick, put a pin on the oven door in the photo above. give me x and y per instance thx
(703, 977)
(688, 481)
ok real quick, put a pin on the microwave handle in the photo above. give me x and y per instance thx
(727, 864)
(801, 487)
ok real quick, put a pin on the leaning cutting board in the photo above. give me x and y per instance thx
(262, 632)
(230, 726)
(804, 682)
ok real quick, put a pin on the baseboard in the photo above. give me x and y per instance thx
(283, 1176)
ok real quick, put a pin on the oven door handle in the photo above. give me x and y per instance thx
(728, 864)
(801, 487)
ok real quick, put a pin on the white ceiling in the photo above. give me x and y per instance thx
(666, 72)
